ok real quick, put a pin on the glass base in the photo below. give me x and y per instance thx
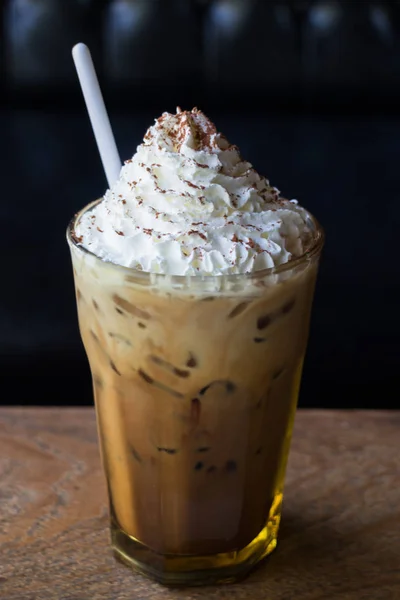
(188, 570)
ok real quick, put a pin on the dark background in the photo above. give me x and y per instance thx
(310, 91)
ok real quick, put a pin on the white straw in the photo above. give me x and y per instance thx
(97, 112)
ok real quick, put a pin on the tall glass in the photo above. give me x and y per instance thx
(196, 382)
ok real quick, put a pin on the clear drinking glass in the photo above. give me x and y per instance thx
(196, 382)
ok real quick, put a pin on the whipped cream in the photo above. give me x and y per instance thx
(188, 204)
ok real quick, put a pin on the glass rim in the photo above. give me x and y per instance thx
(311, 252)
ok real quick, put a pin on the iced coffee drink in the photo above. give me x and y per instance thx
(194, 282)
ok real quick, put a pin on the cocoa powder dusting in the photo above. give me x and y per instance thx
(193, 185)
(193, 232)
(192, 122)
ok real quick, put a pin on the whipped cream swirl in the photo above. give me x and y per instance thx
(188, 204)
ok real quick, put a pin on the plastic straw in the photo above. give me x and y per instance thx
(97, 112)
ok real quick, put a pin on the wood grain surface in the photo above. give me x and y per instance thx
(340, 535)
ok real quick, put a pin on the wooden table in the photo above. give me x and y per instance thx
(340, 536)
